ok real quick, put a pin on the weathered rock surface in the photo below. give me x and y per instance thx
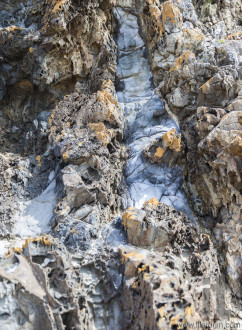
(63, 176)
(166, 290)
(144, 232)
(41, 289)
(167, 150)
(195, 56)
(89, 154)
(45, 56)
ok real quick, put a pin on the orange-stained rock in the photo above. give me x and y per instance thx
(235, 147)
(171, 14)
(58, 6)
(110, 110)
(152, 202)
(142, 231)
(165, 15)
(155, 14)
(131, 259)
(235, 36)
(38, 158)
(171, 140)
(188, 55)
(103, 134)
(194, 34)
(167, 150)
(206, 87)
(159, 152)
(45, 240)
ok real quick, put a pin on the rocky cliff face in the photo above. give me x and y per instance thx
(195, 56)
(120, 150)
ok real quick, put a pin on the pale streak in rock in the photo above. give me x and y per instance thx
(140, 103)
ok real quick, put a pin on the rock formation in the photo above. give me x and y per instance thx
(197, 65)
(120, 164)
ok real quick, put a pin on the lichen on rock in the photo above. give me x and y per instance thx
(196, 69)
(167, 150)
(120, 164)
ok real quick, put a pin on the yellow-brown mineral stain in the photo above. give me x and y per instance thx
(38, 158)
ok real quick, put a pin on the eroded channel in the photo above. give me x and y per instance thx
(146, 121)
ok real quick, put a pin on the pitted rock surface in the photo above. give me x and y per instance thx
(45, 56)
(116, 117)
(165, 287)
(195, 56)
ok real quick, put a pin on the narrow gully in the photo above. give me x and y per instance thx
(146, 121)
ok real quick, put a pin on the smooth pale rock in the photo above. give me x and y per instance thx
(146, 120)
(35, 217)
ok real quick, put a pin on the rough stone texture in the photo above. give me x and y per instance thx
(84, 193)
(166, 290)
(41, 288)
(24, 186)
(61, 165)
(45, 56)
(195, 56)
(73, 255)
(166, 150)
(142, 232)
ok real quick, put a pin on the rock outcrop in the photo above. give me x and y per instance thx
(41, 288)
(45, 55)
(195, 51)
(167, 150)
(146, 120)
(166, 289)
(120, 164)
(61, 166)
